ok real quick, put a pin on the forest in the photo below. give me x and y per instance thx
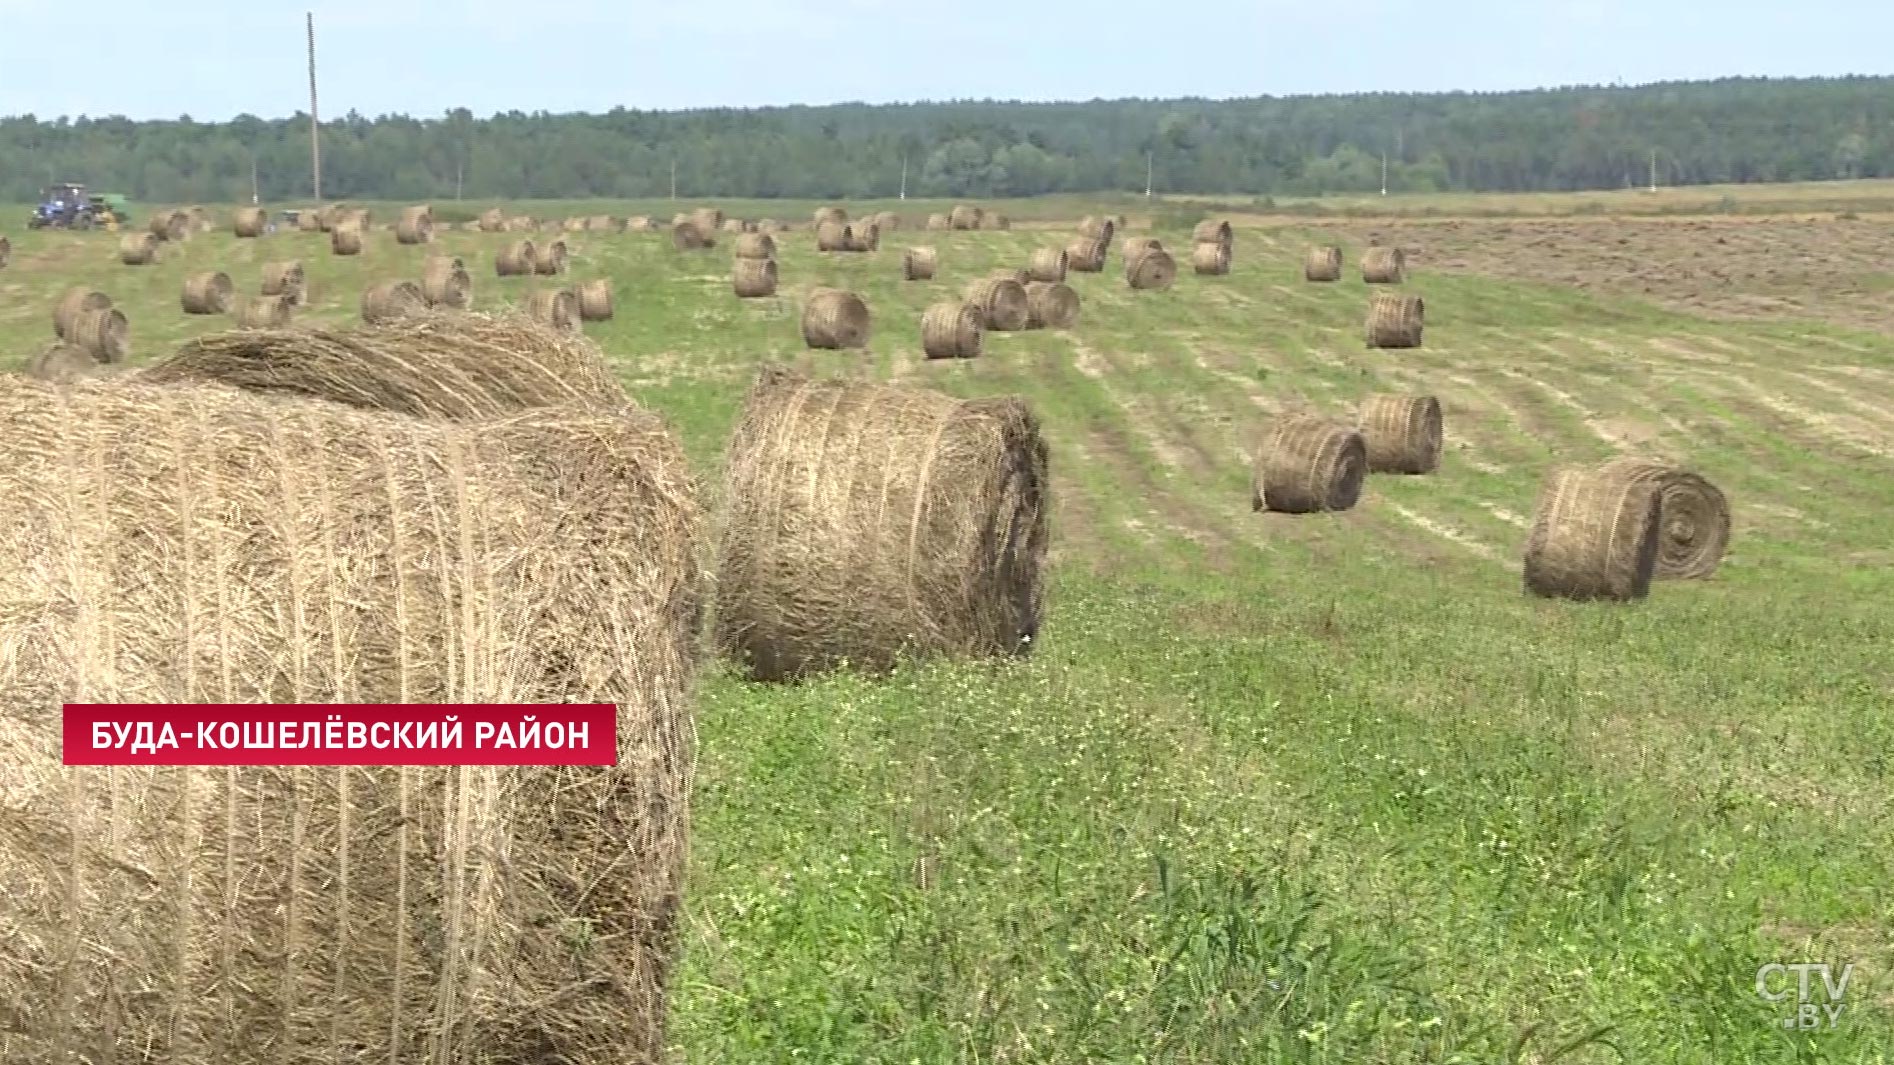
(1732, 130)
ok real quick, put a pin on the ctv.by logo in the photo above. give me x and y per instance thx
(1808, 1013)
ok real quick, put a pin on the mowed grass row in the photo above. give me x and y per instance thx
(1275, 789)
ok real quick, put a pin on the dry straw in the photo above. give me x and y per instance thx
(392, 299)
(919, 264)
(1395, 320)
(1051, 305)
(1213, 231)
(242, 549)
(1404, 433)
(939, 221)
(103, 331)
(1383, 265)
(595, 300)
(865, 235)
(1210, 259)
(951, 330)
(1046, 264)
(1322, 263)
(834, 319)
(756, 246)
(687, 235)
(1001, 302)
(1594, 535)
(75, 302)
(868, 522)
(138, 249)
(1307, 465)
(558, 308)
(285, 279)
(415, 225)
(346, 238)
(62, 363)
(431, 365)
(250, 221)
(209, 292)
(551, 257)
(1087, 255)
(1096, 227)
(1693, 518)
(753, 278)
(265, 312)
(966, 216)
(1150, 269)
(445, 282)
(516, 259)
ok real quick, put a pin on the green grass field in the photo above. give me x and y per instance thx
(1273, 789)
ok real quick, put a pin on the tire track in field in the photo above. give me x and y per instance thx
(1833, 428)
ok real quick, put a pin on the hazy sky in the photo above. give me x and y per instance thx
(163, 58)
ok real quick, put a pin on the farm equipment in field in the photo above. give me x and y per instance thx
(68, 206)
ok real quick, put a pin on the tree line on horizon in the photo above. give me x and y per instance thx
(1733, 130)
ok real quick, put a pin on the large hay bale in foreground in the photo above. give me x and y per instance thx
(1087, 255)
(868, 522)
(557, 308)
(1404, 433)
(1395, 320)
(1383, 265)
(919, 264)
(951, 330)
(392, 299)
(1307, 465)
(265, 312)
(286, 278)
(346, 238)
(251, 550)
(1693, 519)
(1097, 227)
(834, 319)
(445, 282)
(415, 225)
(1046, 264)
(595, 300)
(250, 221)
(1322, 263)
(756, 246)
(1210, 259)
(550, 257)
(1051, 305)
(208, 292)
(1594, 536)
(63, 363)
(74, 302)
(516, 259)
(753, 278)
(834, 236)
(1002, 303)
(687, 235)
(103, 331)
(430, 365)
(138, 249)
(1150, 269)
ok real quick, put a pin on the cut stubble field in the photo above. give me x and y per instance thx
(1323, 788)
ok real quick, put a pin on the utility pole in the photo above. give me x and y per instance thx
(1147, 174)
(904, 177)
(315, 136)
(1384, 173)
(1653, 169)
(460, 177)
(254, 197)
(674, 179)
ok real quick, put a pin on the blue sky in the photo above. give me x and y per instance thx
(213, 60)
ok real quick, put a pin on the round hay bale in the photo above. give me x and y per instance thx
(834, 236)
(1322, 263)
(75, 302)
(824, 215)
(734, 225)
(557, 308)
(965, 216)
(208, 292)
(1087, 255)
(309, 221)
(888, 221)
(756, 246)
(392, 299)
(250, 221)
(492, 220)
(1594, 536)
(575, 224)
(1011, 273)
(1151, 269)
(445, 282)
(1308, 464)
(138, 249)
(308, 553)
(266, 312)
(1395, 320)
(522, 224)
(870, 523)
(328, 214)
(1002, 304)
(687, 235)
(919, 264)
(516, 259)
(1046, 264)
(708, 219)
(551, 257)
(170, 225)
(939, 221)
(1404, 433)
(1097, 227)
(1051, 305)
(6, 251)
(595, 300)
(1383, 265)
(415, 226)
(601, 223)
(834, 319)
(995, 221)
(1693, 518)
(770, 225)
(1133, 245)
(102, 331)
(1210, 259)
(865, 235)
(951, 330)
(63, 363)
(1213, 231)
(360, 217)
(639, 223)
(753, 278)
(346, 239)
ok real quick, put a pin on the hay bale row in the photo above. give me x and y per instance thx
(920, 263)
(1382, 265)
(1001, 303)
(389, 300)
(595, 300)
(753, 278)
(1322, 263)
(250, 222)
(286, 279)
(1051, 305)
(516, 259)
(209, 292)
(1307, 465)
(1210, 259)
(833, 319)
(952, 329)
(1150, 268)
(869, 523)
(445, 282)
(1087, 255)
(267, 311)
(756, 246)
(1395, 320)
(138, 249)
(415, 226)
(1047, 264)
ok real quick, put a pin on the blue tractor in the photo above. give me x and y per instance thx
(67, 206)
